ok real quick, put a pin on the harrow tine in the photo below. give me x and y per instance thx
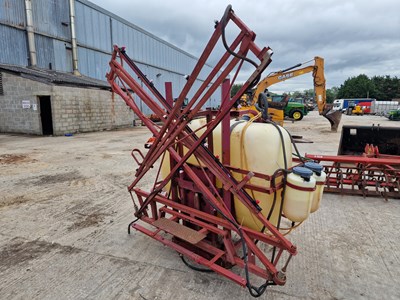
(360, 175)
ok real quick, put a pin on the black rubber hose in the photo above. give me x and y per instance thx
(224, 22)
(194, 267)
(254, 291)
(130, 224)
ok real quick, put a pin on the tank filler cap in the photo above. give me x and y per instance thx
(313, 166)
(303, 172)
(246, 117)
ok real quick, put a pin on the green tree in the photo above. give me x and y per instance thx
(296, 94)
(387, 88)
(308, 93)
(236, 88)
(331, 94)
(357, 87)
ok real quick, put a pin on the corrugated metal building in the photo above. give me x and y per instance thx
(38, 33)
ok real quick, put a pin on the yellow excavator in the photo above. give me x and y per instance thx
(276, 109)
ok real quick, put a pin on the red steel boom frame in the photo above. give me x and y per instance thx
(197, 213)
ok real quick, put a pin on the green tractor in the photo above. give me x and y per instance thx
(394, 115)
(293, 108)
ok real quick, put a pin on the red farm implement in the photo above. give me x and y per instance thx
(191, 206)
(368, 163)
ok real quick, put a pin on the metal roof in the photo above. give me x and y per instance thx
(124, 21)
(54, 77)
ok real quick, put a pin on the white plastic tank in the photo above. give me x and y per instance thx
(300, 187)
(320, 178)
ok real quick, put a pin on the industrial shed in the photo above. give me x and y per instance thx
(73, 40)
(45, 102)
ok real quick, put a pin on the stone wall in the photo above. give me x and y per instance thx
(73, 109)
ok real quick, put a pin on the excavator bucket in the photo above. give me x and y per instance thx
(367, 164)
(354, 139)
(334, 117)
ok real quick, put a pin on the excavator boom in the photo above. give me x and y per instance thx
(324, 108)
(317, 70)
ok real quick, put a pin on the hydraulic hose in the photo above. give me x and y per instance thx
(224, 22)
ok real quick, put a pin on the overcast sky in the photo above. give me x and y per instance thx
(354, 37)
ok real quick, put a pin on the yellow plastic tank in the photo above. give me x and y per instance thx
(299, 194)
(256, 147)
(320, 178)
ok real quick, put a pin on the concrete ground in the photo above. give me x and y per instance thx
(64, 212)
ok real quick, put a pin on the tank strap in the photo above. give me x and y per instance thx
(235, 124)
(320, 183)
(305, 189)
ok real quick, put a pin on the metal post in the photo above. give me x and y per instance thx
(73, 38)
(225, 94)
(30, 33)
(168, 93)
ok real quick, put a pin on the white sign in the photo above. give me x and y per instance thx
(34, 106)
(26, 104)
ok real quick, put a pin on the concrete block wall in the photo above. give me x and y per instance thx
(85, 110)
(73, 109)
(14, 118)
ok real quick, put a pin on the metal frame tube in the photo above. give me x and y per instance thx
(30, 33)
(74, 44)
(175, 135)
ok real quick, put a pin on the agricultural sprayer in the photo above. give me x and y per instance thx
(224, 192)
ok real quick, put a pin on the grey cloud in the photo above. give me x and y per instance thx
(353, 36)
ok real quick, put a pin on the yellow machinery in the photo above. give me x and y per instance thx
(277, 111)
(358, 110)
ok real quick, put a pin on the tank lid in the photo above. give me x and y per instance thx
(313, 166)
(246, 117)
(303, 172)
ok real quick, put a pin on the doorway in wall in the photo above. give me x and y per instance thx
(46, 115)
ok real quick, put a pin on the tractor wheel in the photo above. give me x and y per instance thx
(296, 114)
